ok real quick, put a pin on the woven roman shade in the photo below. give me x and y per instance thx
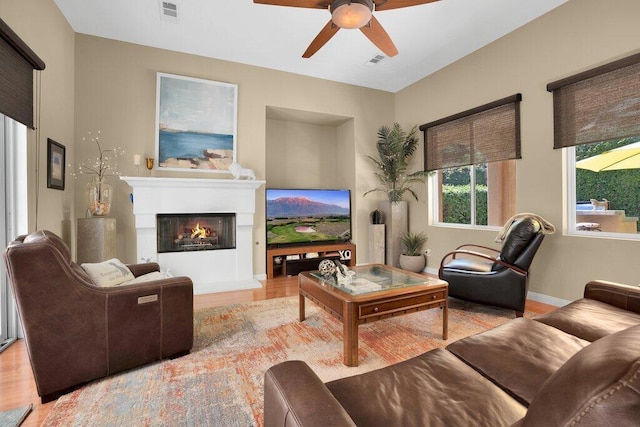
(488, 133)
(17, 62)
(597, 105)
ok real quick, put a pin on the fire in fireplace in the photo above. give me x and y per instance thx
(196, 232)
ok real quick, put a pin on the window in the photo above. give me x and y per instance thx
(473, 153)
(16, 107)
(596, 122)
(13, 212)
(491, 204)
(603, 203)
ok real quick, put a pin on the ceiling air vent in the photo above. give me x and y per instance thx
(168, 11)
(375, 60)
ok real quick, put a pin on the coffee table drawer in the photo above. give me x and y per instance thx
(392, 305)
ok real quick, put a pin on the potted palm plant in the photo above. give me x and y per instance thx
(395, 148)
(412, 258)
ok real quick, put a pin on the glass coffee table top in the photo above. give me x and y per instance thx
(375, 278)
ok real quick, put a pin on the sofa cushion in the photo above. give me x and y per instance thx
(468, 264)
(590, 319)
(519, 356)
(432, 389)
(149, 277)
(108, 273)
(598, 386)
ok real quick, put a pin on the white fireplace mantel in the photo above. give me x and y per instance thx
(210, 271)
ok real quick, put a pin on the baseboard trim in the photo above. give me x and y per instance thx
(431, 270)
(6, 343)
(547, 299)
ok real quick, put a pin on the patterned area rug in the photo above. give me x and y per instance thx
(221, 382)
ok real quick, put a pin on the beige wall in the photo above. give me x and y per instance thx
(98, 84)
(115, 92)
(575, 37)
(41, 25)
(301, 155)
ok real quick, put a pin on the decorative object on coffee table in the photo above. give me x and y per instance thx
(327, 268)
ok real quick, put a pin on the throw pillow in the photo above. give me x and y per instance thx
(108, 273)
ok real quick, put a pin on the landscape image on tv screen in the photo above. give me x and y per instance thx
(307, 216)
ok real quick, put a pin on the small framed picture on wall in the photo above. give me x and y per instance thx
(55, 164)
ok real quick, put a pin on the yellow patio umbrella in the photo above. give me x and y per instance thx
(625, 157)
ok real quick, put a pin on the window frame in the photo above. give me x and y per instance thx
(569, 161)
(434, 184)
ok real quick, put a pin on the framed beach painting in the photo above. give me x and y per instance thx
(196, 124)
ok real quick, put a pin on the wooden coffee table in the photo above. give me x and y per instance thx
(376, 292)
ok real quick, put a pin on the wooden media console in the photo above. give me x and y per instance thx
(292, 260)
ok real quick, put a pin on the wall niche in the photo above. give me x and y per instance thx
(308, 149)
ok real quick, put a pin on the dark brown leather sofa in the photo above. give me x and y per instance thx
(76, 332)
(576, 366)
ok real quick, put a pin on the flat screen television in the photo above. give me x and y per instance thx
(296, 217)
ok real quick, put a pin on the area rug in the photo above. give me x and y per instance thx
(220, 383)
(14, 417)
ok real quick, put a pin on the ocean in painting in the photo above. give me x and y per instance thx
(190, 144)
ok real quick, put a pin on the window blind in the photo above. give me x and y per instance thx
(600, 104)
(483, 134)
(17, 62)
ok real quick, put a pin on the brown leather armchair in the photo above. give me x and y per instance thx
(76, 332)
(500, 278)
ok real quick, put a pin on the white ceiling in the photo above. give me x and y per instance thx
(428, 37)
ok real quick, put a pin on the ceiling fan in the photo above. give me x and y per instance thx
(350, 14)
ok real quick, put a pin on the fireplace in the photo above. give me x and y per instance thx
(195, 232)
(224, 207)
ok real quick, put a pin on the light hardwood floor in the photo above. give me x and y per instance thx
(17, 387)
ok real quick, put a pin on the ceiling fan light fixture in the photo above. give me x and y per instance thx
(351, 14)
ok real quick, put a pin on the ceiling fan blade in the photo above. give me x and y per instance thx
(321, 39)
(379, 37)
(312, 4)
(397, 4)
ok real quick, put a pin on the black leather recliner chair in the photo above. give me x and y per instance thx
(500, 279)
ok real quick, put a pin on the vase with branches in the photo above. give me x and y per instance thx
(104, 165)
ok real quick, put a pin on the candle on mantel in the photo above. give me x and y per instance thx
(137, 159)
